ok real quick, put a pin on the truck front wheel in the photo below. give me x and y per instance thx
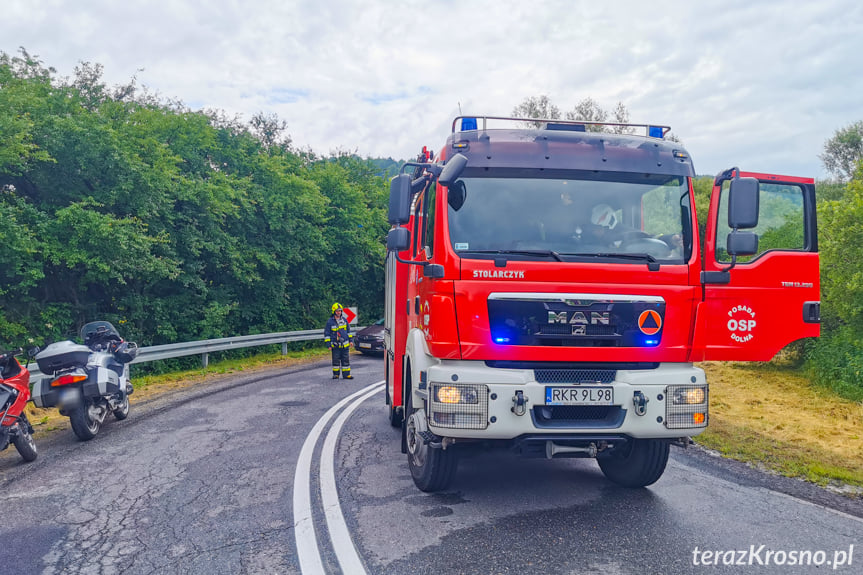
(639, 464)
(432, 469)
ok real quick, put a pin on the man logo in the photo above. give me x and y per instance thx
(580, 318)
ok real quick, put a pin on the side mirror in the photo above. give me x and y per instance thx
(398, 239)
(452, 169)
(741, 243)
(400, 200)
(743, 203)
(31, 353)
(433, 271)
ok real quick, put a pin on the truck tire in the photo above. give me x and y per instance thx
(84, 425)
(641, 463)
(24, 441)
(432, 469)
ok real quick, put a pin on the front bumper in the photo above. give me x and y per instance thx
(509, 403)
(369, 345)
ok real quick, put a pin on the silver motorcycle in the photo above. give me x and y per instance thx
(86, 382)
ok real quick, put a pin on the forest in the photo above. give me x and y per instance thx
(174, 224)
(177, 224)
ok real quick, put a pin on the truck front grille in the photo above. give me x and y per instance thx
(575, 375)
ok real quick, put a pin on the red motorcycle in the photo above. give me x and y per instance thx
(14, 395)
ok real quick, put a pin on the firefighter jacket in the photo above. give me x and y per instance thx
(337, 333)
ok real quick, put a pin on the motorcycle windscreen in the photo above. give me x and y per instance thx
(5, 397)
(771, 298)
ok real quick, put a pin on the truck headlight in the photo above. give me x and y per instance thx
(460, 406)
(456, 394)
(686, 406)
(688, 395)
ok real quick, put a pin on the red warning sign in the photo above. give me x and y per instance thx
(350, 315)
(649, 322)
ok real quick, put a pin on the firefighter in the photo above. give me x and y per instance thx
(605, 228)
(338, 336)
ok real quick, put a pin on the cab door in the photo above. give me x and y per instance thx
(753, 306)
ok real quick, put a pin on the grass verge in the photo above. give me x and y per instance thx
(773, 417)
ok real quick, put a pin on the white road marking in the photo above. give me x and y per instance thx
(308, 553)
(343, 544)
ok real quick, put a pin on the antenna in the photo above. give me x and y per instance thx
(459, 108)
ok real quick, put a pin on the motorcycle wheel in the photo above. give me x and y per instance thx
(84, 425)
(24, 442)
(122, 412)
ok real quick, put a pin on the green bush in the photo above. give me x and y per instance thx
(835, 361)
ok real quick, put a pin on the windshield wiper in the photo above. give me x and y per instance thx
(540, 253)
(641, 257)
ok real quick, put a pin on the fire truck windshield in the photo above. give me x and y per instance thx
(572, 213)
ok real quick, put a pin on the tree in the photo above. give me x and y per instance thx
(589, 110)
(843, 152)
(270, 130)
(536, 107)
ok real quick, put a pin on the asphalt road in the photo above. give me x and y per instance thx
(231, 477)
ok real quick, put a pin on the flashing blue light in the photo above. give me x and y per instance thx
(651, 342)
(468, 124)
(654, 131)
(501, 340)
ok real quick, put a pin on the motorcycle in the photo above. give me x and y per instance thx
(87, 381)
(14, 394)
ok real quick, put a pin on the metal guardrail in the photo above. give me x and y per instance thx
(207, 346)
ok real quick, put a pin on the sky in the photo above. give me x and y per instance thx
(760, 85)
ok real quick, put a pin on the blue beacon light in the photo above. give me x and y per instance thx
(468, 124)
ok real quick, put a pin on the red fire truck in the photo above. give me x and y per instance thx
(548, 292)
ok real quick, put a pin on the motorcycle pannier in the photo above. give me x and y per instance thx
(60, 355)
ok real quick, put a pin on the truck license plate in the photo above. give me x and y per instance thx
(365, 345)
(579, 395)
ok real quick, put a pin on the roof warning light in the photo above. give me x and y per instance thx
(468, 124)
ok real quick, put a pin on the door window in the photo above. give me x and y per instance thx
(781, 220)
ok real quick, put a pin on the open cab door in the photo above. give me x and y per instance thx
(760, 276)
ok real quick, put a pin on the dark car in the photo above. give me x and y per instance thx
(370, 340)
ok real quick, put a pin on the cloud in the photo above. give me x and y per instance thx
(761, 85)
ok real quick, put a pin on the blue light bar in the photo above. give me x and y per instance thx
(654, 131)
(501, 340)
(468, 124)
